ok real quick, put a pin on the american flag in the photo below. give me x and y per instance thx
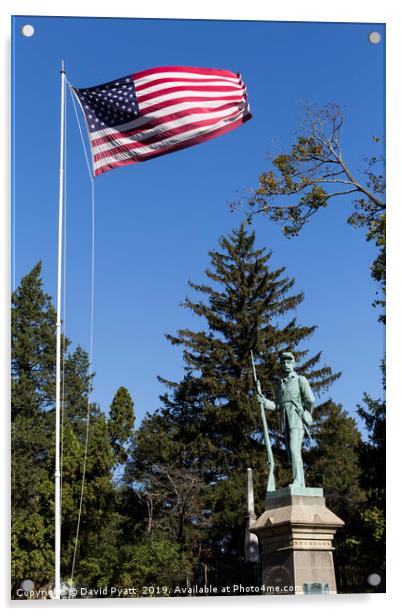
(160, 110)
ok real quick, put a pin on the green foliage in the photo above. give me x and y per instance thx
(33, 347)
(374, 520)
(373, 452)
(32, 388)
(333, 460)
(373, 461)
(32, 547)
(121, 422)
(155, 561)
(33, 452)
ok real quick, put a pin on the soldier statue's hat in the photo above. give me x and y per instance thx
(286, 355)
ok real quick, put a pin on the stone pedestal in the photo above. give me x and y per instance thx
(295, 533)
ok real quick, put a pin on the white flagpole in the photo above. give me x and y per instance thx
(57, 474)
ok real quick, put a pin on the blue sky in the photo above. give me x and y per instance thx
(156, 222)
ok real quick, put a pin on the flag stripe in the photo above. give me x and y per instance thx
(185, 90)
(160, 84)
(150, 72)
(187, 97)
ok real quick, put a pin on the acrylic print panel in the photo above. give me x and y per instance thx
(150, 455)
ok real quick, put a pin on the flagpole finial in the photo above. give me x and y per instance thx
(62, 67)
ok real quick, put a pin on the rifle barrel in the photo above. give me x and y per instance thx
(270, 457)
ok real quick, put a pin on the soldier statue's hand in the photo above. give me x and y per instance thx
(260, 399)
(307, 418)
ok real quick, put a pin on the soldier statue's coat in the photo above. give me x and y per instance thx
(295, 400)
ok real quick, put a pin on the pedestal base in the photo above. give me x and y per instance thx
(295, 533)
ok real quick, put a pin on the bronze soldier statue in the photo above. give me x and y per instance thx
(295, 401)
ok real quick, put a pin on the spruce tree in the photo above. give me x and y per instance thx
(210, 420)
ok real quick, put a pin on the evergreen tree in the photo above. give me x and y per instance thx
(76, 389)
(333, 461)
(33, 344)
(121, 422)
(373, 451)
(373, 461)
(32, 391)
(210, 421)
(99, 528)
(33, 448)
